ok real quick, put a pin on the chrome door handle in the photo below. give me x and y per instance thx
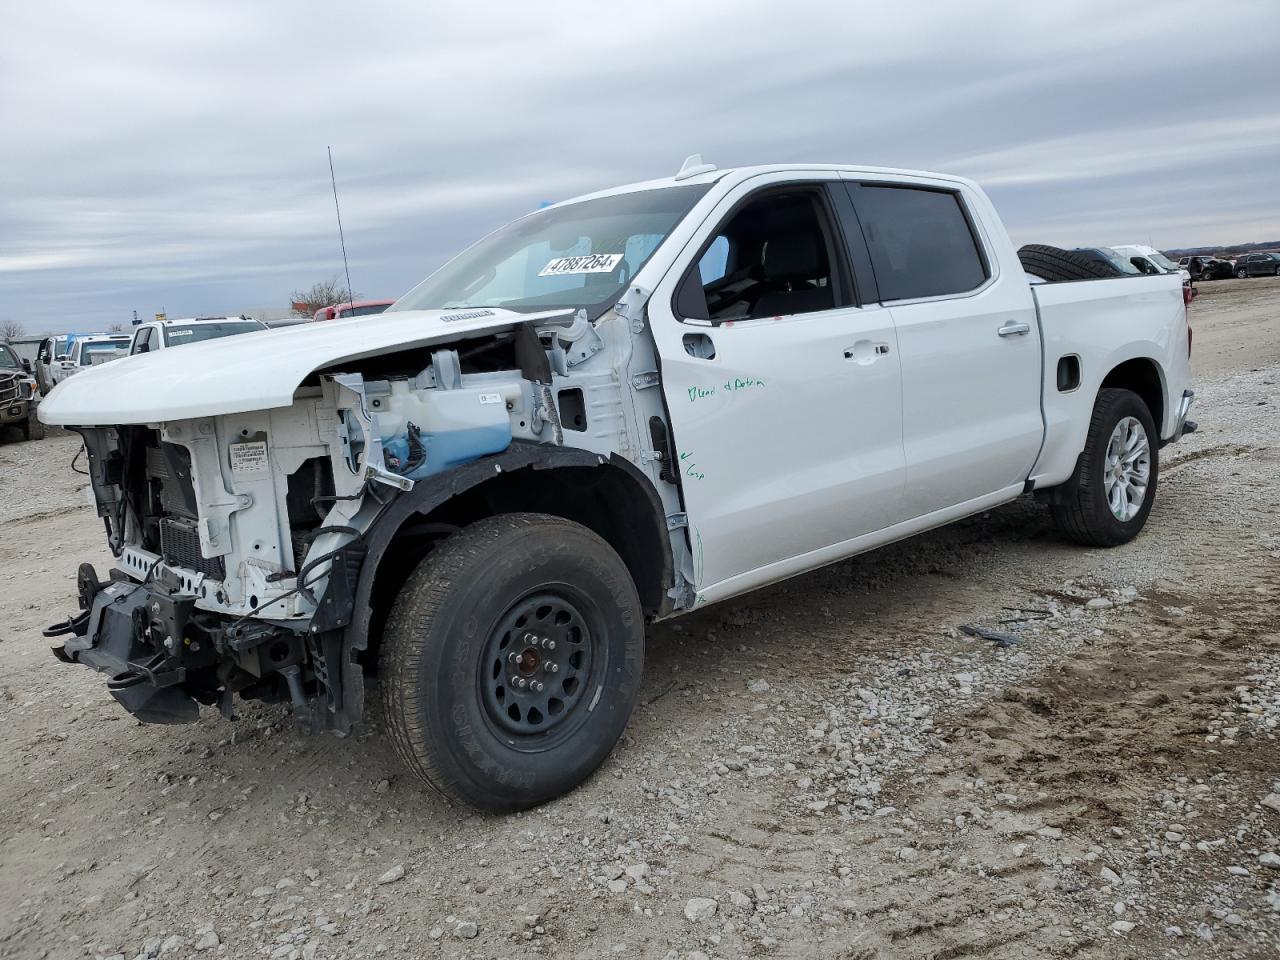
(1014, 329)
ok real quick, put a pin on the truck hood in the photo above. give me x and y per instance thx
(253, 371)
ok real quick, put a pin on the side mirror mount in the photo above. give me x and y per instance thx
(26, 364)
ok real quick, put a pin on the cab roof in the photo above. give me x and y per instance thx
(734, 175)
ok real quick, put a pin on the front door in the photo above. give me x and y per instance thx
(969, 345)
(783, 394)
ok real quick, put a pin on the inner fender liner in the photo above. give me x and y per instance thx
(424, 498)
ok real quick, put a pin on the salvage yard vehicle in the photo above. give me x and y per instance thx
(1207, 268)
(87, 351)
(616, 409)
(1258, 265)
(359, 308)
(162, 334)
(19, 394)
(51, 350)
(1150, 260)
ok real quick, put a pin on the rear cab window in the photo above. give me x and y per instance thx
(920, 239)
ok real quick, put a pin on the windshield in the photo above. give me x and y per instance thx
(98, 347)
(1161, 261)
(1117, 260)
(8, 359)
(579, 255)
(179, 334)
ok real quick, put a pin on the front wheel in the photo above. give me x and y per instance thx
(1241, 274)
(1108, 498)
(511, 660)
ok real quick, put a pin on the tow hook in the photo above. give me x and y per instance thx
(77, 625)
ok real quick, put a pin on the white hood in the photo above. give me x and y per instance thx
(252, 371)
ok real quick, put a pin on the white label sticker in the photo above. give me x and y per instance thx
(249, 459)
(591, 263)
(490, 398)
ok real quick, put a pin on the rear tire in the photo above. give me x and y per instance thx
(1097, 506)
(1054, 264)
(511, 660)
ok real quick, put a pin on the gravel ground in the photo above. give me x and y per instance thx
(827, 768)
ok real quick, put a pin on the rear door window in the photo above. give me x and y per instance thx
(920, 240)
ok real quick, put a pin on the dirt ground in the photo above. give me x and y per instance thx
(827, 768)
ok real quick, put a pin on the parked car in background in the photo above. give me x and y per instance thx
(481, 496)
(46, 371)
(359, 308)
(1149, 260)
(1258, 265)
(19, 394)
(162, 334)
(1206, 268)
(90, 350)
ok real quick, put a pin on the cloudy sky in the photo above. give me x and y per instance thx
(172, 155)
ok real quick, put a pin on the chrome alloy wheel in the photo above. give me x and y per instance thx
(1128, 468)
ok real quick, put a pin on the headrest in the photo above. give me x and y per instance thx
(795, 257)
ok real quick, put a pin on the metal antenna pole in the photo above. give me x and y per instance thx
(351, 295)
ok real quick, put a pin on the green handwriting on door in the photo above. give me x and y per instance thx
(690, 468)
(742, 383)
(732, 385)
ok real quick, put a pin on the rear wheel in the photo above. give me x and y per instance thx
(511, 660)
(1108, 498)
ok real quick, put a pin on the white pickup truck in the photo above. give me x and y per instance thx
(153, 335)
(88, 350)
(613, 410)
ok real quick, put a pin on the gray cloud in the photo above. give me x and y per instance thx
(172, 155)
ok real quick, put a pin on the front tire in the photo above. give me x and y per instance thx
(511, 660)
(1108, 498)
(1241, 274)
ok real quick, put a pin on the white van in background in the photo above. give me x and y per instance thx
(1150, 260)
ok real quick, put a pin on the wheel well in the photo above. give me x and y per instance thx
(607, 499)
(1142, 376)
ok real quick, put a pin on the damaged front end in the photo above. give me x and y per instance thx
(239, 539)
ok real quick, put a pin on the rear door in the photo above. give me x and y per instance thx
(969, 343)
(782, 391)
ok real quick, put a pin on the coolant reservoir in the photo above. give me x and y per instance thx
(425, 432)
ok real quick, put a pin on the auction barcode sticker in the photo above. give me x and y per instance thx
(591, 263)
(249, 459)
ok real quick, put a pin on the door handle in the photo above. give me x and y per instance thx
(864, 351)
(1014, 329)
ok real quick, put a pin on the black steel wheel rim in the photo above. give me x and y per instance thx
(538, 665)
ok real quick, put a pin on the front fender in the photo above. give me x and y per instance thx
(426, 496)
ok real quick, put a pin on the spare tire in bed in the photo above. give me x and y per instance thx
(1053, 263)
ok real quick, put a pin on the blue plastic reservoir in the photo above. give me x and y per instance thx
(454, 427)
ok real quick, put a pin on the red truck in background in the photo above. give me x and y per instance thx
(357, 308)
